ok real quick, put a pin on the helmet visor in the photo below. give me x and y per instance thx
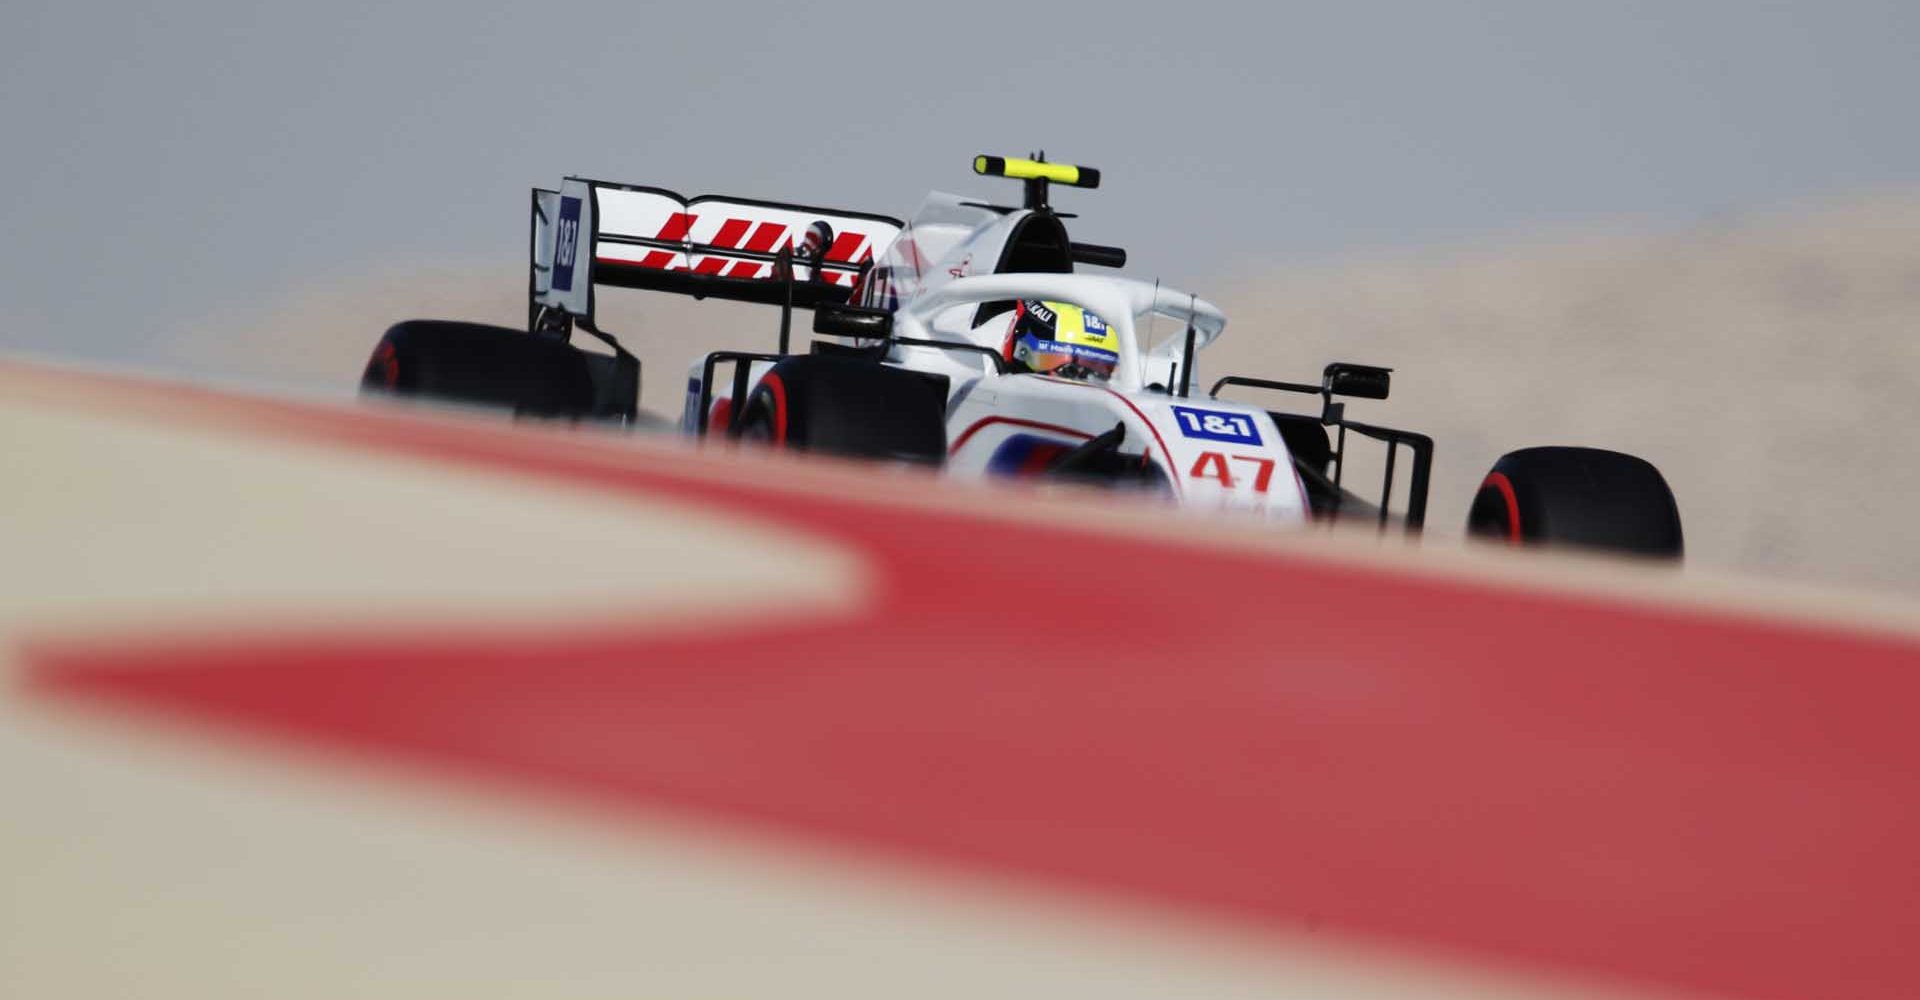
(1063, 360)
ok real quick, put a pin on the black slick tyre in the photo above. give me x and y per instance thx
(1582, 497)
(850, 407)
(480, 365)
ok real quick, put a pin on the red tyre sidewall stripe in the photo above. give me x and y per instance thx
(389, 361)
(777, 389)
(1499, 481)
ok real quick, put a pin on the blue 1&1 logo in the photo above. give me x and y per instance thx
(1214, 426)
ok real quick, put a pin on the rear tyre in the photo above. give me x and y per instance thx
(1581, 497)
(480, 365)
(850, 407)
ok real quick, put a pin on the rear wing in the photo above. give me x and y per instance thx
(592, 233)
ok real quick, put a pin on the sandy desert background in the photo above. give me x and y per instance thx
(1766, 363)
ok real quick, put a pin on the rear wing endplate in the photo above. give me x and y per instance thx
(592, 233)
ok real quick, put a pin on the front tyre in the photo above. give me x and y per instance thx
(850, 407)
(1583, 497)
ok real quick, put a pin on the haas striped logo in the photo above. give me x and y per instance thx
(737, 248)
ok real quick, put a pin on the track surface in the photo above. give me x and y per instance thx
(1303, 772)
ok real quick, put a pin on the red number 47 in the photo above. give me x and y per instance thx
(1213, 465)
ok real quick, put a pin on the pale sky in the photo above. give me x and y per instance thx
(166, 162)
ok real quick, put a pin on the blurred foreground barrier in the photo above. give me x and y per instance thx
(317, 700)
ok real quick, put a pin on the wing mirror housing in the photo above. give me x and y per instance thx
(1098, 255)
(1343, 378)
(813, 247)
(857, 322)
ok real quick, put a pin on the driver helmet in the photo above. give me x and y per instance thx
(1061, 340)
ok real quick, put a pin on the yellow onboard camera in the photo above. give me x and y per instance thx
(1036, 170)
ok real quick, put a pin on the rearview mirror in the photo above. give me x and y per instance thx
(858, 322)
(1097, 255)
(1359, 381)
(813, 247)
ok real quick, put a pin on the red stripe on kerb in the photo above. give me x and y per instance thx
(656, 259)
(730, 232)
(744, 269)
(844, 245)
(710, 265)
(765, 235)
(676, 226)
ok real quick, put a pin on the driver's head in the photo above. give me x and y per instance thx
(1062, 340)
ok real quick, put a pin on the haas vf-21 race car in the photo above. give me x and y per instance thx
(972, 337)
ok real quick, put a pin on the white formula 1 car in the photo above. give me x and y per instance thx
(969, 338)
